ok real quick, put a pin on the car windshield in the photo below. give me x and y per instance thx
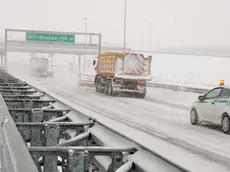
(213, 93)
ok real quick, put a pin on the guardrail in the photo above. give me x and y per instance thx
(40, 133)
(178, 88)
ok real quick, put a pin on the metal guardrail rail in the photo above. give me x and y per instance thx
(178, 88)
(38, 134)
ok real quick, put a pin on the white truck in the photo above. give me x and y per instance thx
(39, 66)
(119, 72)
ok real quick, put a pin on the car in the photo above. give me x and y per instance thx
(213, 107)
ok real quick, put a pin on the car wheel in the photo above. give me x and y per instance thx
(194, 117)
(226, 124)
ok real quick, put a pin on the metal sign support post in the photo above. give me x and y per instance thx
(2, 54)
(79, 66)
(99, 49)
(2, 61)
(6, 39)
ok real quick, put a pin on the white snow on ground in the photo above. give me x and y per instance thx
(179, 98)
(162, 121)
(190, 70)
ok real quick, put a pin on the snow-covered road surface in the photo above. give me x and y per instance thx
(167, 123)
(155, 117)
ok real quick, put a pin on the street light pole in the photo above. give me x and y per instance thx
(85, 42)
(150, 37)
(125, 28)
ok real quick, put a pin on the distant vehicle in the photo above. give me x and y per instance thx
(50, 71)
(119, 72)
(213, 107)
(39, 66)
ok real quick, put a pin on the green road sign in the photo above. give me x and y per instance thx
(50, 37)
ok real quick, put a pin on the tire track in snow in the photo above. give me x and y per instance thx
(174, 105)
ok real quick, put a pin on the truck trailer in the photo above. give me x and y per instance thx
(39, 66)
(122, 73)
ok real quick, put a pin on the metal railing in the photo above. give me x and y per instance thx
(38, 134)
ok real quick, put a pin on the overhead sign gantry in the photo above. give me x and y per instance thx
(37, 41)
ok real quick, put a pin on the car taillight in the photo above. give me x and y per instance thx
(140, 82)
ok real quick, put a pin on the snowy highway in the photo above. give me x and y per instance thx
(163, 114)
(86, 87)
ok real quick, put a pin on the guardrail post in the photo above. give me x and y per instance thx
(23, 117)
(36, 134)
(76, 161)
(28, 104)
(116, 162)
(52, 134)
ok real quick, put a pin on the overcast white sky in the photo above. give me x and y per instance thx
(174, 22)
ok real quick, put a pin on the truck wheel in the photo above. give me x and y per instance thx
(110, 88)
(106, 91)
(142, 95)
(100, 90)
(98, 85)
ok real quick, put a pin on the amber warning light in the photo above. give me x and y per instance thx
(221, 82)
